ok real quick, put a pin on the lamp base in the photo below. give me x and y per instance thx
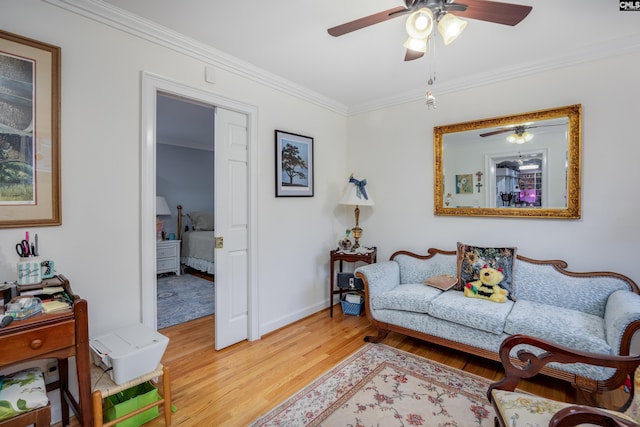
(159, 229)
(356, 232)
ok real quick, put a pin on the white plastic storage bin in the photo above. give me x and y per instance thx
(131, 351)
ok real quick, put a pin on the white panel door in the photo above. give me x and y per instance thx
(232, 225)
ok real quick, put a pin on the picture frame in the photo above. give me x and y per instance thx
(294, 165)
(29, 132)
(464, 184)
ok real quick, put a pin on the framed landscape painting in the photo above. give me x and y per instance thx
(294, 165)
(29, 132)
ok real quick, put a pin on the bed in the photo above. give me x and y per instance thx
(198, 240)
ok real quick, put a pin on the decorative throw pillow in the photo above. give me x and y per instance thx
(443, 282)
(201, 221)
(471, 259)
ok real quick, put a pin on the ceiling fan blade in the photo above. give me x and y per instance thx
(358, 24)
(494, 11)
(496, 132)
(544, 126)
(410, 55)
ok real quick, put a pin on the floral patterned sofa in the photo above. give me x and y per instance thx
(596, 312)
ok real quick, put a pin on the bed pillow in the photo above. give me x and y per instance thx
(471, 259)
(201, 221)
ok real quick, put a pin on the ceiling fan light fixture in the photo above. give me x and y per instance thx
(420, 24)
(450, 27)
(417, 45)
(520, 138)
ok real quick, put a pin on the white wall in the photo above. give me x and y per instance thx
(393, 148)
(184, 176)
(98, 245)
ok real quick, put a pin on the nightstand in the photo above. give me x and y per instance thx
(168, 256)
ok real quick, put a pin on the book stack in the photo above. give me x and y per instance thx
(54, 305)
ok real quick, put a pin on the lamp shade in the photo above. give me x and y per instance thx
(450, 27)
(420, 23)
(520, 137)
(162, 208)
(354, 194)
(417, 45)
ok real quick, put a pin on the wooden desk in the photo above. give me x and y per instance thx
(55, 336)
(337, 255)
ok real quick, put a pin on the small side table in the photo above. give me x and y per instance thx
(338, 255)
(168, 256)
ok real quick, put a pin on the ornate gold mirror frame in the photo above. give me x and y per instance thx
(477, 170)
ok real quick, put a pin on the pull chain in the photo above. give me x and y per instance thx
(431, 100)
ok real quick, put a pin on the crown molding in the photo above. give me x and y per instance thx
(600, 51)
(117, 18)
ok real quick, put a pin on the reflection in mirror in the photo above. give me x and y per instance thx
(521, 165)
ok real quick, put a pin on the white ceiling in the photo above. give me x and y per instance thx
(289, 39)
(184, 123)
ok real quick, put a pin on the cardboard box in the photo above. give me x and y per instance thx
(131, 351)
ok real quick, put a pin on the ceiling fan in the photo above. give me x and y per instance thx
(484, 10)
(519, 133)
(518, 129)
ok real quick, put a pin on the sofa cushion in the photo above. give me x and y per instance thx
(410, 297)
(473, 313)
(571, 328)
(543, 284)
(417, 270)
(471, 259)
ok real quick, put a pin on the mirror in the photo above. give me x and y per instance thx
(523, 165)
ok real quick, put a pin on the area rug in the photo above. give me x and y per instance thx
(380, 386)
(183, 298)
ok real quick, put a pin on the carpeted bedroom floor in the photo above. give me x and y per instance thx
(183, 298)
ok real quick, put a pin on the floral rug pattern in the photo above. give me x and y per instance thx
(380, 386)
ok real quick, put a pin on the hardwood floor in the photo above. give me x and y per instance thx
(234, 386)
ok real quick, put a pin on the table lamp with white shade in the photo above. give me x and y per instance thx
(356, 195)
(162, 208)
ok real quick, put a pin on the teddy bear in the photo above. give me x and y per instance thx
(487, 286)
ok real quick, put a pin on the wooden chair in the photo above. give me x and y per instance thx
(40, 417)
(514, 408)
(14, 386)
(104, 387)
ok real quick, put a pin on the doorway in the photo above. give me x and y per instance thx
(517, 180)
(151, 86)
(185, 181)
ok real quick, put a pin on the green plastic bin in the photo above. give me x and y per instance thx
(129, 400)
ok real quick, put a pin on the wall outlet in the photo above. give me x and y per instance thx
(51, 373)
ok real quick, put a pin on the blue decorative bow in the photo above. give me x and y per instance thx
(360, 190)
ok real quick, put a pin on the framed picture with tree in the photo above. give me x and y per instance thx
(294, 165)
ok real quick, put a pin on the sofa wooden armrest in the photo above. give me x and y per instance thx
(527, 364)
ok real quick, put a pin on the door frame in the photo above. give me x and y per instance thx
(492, 160)
(151, 85)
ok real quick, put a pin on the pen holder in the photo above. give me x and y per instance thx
(29, 271)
